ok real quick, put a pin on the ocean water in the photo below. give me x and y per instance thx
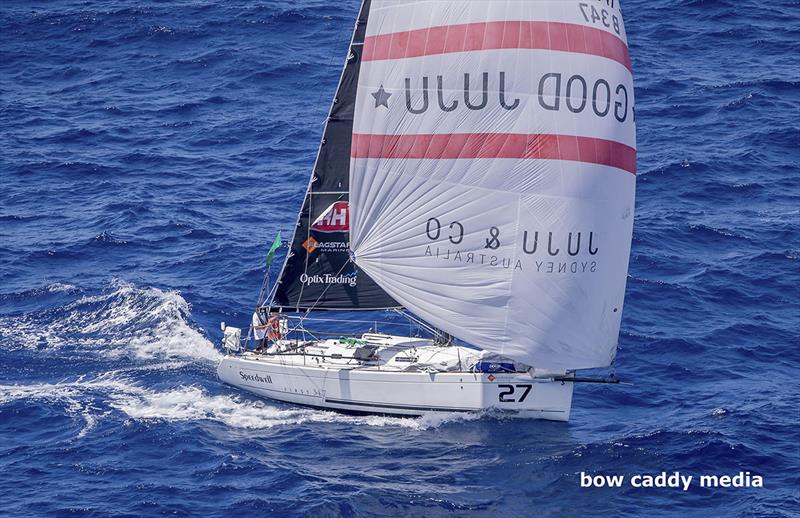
(149, 151)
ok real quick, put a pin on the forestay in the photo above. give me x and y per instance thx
(493, 168)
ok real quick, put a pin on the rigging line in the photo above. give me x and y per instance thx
(308, 226)
(408, 316)
(274, 288)
(308, 311)
(305, 266)
(316, 334)
(251, 329)
(315, 319)
(300, 349)
(263, 290)
(296, 308)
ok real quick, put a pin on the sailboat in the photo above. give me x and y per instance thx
(477, 176)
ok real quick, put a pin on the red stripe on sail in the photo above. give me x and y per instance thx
(446, 39)
(496, 145)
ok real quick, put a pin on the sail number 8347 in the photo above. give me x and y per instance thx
(599, 16)
(514, 393)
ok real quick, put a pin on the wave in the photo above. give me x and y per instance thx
(43, 291)
(117, 395)
(149, 329)
(193, 403)
(127, 322)
(77, 397)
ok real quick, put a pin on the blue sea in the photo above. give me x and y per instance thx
(149, 152)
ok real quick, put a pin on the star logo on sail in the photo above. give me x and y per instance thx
(381, 97)
(310, 244)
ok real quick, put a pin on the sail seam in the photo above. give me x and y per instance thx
(473, 37)
(454, 146)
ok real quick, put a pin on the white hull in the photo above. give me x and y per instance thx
(370, 389)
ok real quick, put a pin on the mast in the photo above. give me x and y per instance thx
(317, 272)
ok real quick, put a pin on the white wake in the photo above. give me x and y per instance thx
(95, 399)
(150, 327)
(128, 321)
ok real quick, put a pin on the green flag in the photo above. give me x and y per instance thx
(275, 245)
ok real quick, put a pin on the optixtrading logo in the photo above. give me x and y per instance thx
(348, 279)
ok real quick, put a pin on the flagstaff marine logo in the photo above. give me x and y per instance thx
(545, 251)
(310, 244)
(330, 229)
(348, 279)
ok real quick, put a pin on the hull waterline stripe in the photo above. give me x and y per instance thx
(496, 145)
(399, 407)
(419, 408)
(566, 37)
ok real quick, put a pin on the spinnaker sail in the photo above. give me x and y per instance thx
(492, 171)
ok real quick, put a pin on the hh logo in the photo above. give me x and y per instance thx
(335, 218)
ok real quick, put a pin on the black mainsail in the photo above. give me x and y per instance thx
(317, 272)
